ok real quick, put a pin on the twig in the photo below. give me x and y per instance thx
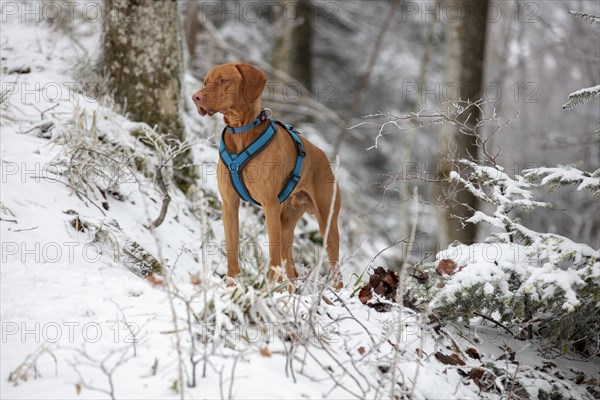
(25, 229)
(492, 320)
(166, 197)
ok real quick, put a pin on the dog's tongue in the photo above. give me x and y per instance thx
(202, 111)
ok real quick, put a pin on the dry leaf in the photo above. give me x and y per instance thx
(449, 360)
(473, 353)
(361, 351)
(264, 351)
(155, 281)
(446, 267)
(77, 388)
(476, 373)
(195, 279)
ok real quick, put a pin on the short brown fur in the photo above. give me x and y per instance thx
(234, 89)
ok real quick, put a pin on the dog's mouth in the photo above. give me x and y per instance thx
(204, 111)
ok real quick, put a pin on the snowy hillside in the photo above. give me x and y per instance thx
(86, 313)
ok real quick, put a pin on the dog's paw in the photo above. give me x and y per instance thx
(229, 281)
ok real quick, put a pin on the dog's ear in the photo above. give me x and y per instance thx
(253, 81)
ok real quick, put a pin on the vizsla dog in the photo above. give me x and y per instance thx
(234, 90)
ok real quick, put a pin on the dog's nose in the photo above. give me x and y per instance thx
(198, 98)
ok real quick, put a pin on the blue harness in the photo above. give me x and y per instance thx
(236, 162)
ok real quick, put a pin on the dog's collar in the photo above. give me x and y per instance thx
(256, 122)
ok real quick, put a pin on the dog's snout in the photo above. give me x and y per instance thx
(198, 98)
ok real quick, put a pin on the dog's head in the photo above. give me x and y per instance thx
(231, 87)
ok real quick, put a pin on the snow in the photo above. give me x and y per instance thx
(593, 90)
(98, 325)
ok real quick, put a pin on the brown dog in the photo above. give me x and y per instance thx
(234, 90)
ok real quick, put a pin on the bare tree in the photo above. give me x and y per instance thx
(143, 64)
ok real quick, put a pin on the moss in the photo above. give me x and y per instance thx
(140, 261)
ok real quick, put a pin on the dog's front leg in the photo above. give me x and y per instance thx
(232, 234)
(273, 217)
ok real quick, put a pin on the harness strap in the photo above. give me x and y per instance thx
(261, 117)
(236, 162)
(295, 175)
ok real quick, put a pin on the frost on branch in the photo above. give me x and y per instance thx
(581, 96)
(592, 19)
(560, 176)
(517, 275)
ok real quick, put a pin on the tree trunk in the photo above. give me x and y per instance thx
(464, 69)
(143, 65)
(292, 53)
(191, 26)
(409, 139)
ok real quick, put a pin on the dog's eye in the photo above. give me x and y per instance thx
(223, 81)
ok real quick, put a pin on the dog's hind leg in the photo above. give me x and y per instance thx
(331, 238)
(289, 218)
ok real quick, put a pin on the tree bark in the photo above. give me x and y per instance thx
(292, 52)
(464, 70)
(143, 65)
(191, 26)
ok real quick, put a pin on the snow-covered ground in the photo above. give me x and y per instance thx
(78, 322)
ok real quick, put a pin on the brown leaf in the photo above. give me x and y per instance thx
(523, 334)
(195, 279)
(155, 281)
(421, 276)
(361, 351)
(473, 353)
(446, 267)
(476, 373)
(455, 347)
(591, 382)
(77, 388)
(440, 285)
(264, 351)
(382, 282)
(365, 294)
(449, 360)
(510, 355)
(559, 375)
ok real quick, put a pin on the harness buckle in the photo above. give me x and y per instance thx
(295, 178)
(301, 151)
(233, 167)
